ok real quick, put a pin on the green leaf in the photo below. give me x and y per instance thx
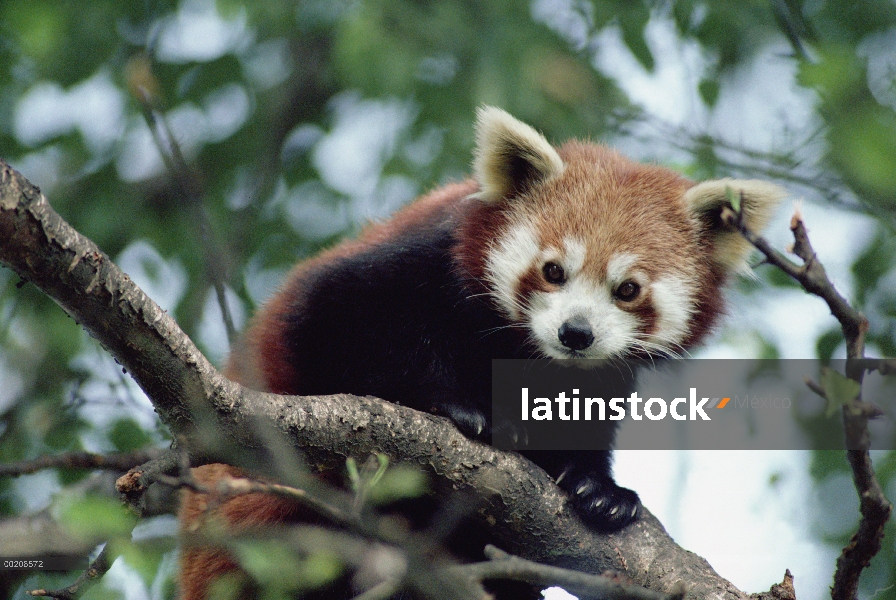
(127, 434)
(94, 517)
(709, 91)
(145, 557)
(382, 465)
(632, 23)
(277, 565)
(39, 26)
(351, 465)
(864, 146)
(398, 483)
(878, 258)
(366, 478)
(229, 586)
(827, 343)
(839, 389)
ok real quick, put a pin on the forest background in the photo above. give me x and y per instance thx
(301, 121)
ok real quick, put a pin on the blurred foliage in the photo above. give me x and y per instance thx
(302, 120)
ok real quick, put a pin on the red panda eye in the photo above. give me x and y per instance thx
(553, 273)
(628, 291)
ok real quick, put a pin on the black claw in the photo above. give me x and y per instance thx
(506, 433)
(471, 422)
(601, 503)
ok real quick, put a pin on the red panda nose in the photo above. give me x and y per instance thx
(576, 334)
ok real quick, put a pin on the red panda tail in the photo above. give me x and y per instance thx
(203, 564)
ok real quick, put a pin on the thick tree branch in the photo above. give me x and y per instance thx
(534, 520)
(42, 248)
(40, 534)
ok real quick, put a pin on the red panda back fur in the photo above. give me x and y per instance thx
(263, 360)
(569, 252)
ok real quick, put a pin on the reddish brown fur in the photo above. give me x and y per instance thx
(476, 234)
(201, 565)
(638, 209)
(263, 363)
(617, 206)
(533, 281)
(647, 317)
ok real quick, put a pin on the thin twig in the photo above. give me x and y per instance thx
(884, 366)
(873, 504)
(230, 487)
(80, 460)
(508, 567)
(815, 387)
(133, 485)
(857, 406)
(811, 275)
(87, 580)
(189, 187)
(424, 573)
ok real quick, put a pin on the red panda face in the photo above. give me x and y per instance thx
(598, 261)
(597, 256)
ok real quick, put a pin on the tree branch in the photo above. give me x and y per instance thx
(87, 580)
(506, 566)
(811, 275)
(414, 564)
(532, 515)
(873, 504)
(42, 533)
(80, 460)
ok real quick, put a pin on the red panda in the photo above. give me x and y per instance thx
(566, 252)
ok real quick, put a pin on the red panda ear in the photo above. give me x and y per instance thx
(510, 155)
(759, 200)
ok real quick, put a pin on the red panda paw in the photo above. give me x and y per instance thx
(601, 503)
(507, 434)
(472, 422)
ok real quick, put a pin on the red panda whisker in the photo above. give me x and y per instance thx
(491, 330)
(662, 349)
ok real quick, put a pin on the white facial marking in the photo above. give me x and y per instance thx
(619, 266)
(615, 330)
(510, 258)
(579, 297)
(575, 255)
(672, 299)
